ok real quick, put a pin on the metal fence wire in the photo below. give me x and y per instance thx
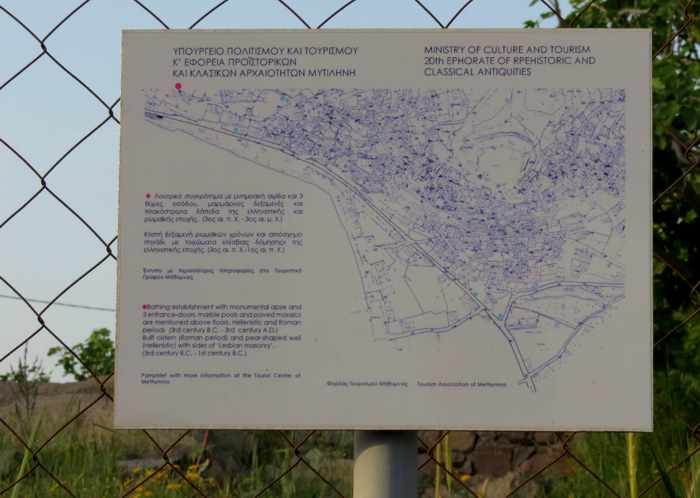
(299, 447)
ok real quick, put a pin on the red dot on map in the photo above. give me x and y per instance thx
(178, 86)
(145, 306)
(148, 196)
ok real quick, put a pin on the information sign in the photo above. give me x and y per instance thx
(385, 229)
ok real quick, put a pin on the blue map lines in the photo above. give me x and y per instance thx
(507, 204)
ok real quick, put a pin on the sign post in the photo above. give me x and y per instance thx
(386, 230)
(391, 230)
(385, 464)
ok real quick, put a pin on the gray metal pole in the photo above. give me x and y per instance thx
(385, 464)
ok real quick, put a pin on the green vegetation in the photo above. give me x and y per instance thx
(96, 356)
(26, 374)
(91, 460)
(630, 463)
(25, 380)
(610, 456)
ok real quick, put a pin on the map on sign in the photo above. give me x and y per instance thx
(376, 229)
(456, 203)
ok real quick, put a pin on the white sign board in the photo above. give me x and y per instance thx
(385, 229)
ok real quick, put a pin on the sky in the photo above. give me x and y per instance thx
(44, 112)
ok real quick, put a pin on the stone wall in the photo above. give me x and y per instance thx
(504, 459)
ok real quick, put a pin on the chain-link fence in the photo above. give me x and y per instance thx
(563, 458)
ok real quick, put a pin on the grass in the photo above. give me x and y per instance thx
(630, 463)
(88, 458)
